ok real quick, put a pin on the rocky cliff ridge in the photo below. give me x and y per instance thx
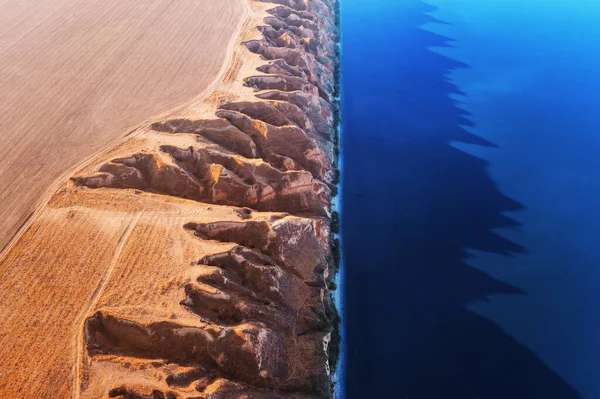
(260, 314)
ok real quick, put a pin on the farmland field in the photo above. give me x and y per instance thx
(76, 75)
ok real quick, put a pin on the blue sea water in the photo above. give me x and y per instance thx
(471, 199)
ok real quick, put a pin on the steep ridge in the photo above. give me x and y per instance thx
(255, 317)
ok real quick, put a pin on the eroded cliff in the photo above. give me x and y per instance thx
(254, 317)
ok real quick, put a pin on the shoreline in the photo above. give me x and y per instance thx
(338, 378)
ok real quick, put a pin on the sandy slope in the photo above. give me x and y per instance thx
(76, 74)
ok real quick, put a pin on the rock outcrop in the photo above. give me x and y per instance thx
(261, 310)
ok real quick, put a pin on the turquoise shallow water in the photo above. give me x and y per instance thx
(471, 199)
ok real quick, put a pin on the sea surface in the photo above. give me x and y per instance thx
(471, 199)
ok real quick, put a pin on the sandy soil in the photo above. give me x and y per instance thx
(77, 74)
(123, 253)
(109, 260)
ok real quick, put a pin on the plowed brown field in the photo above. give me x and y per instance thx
(76, 74)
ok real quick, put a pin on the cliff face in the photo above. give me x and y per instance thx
(254, 318)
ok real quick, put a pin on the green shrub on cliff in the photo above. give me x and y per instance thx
(335, 222)
(334, 259)
(332, 286)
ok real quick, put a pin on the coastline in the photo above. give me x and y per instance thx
(338, 377)
(234, 197)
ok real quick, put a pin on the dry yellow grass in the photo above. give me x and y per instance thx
(38, 325)
(83, 253)
(75, 75)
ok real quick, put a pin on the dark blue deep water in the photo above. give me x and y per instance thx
(471, 199)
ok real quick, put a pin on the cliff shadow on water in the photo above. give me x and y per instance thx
(413, 205)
